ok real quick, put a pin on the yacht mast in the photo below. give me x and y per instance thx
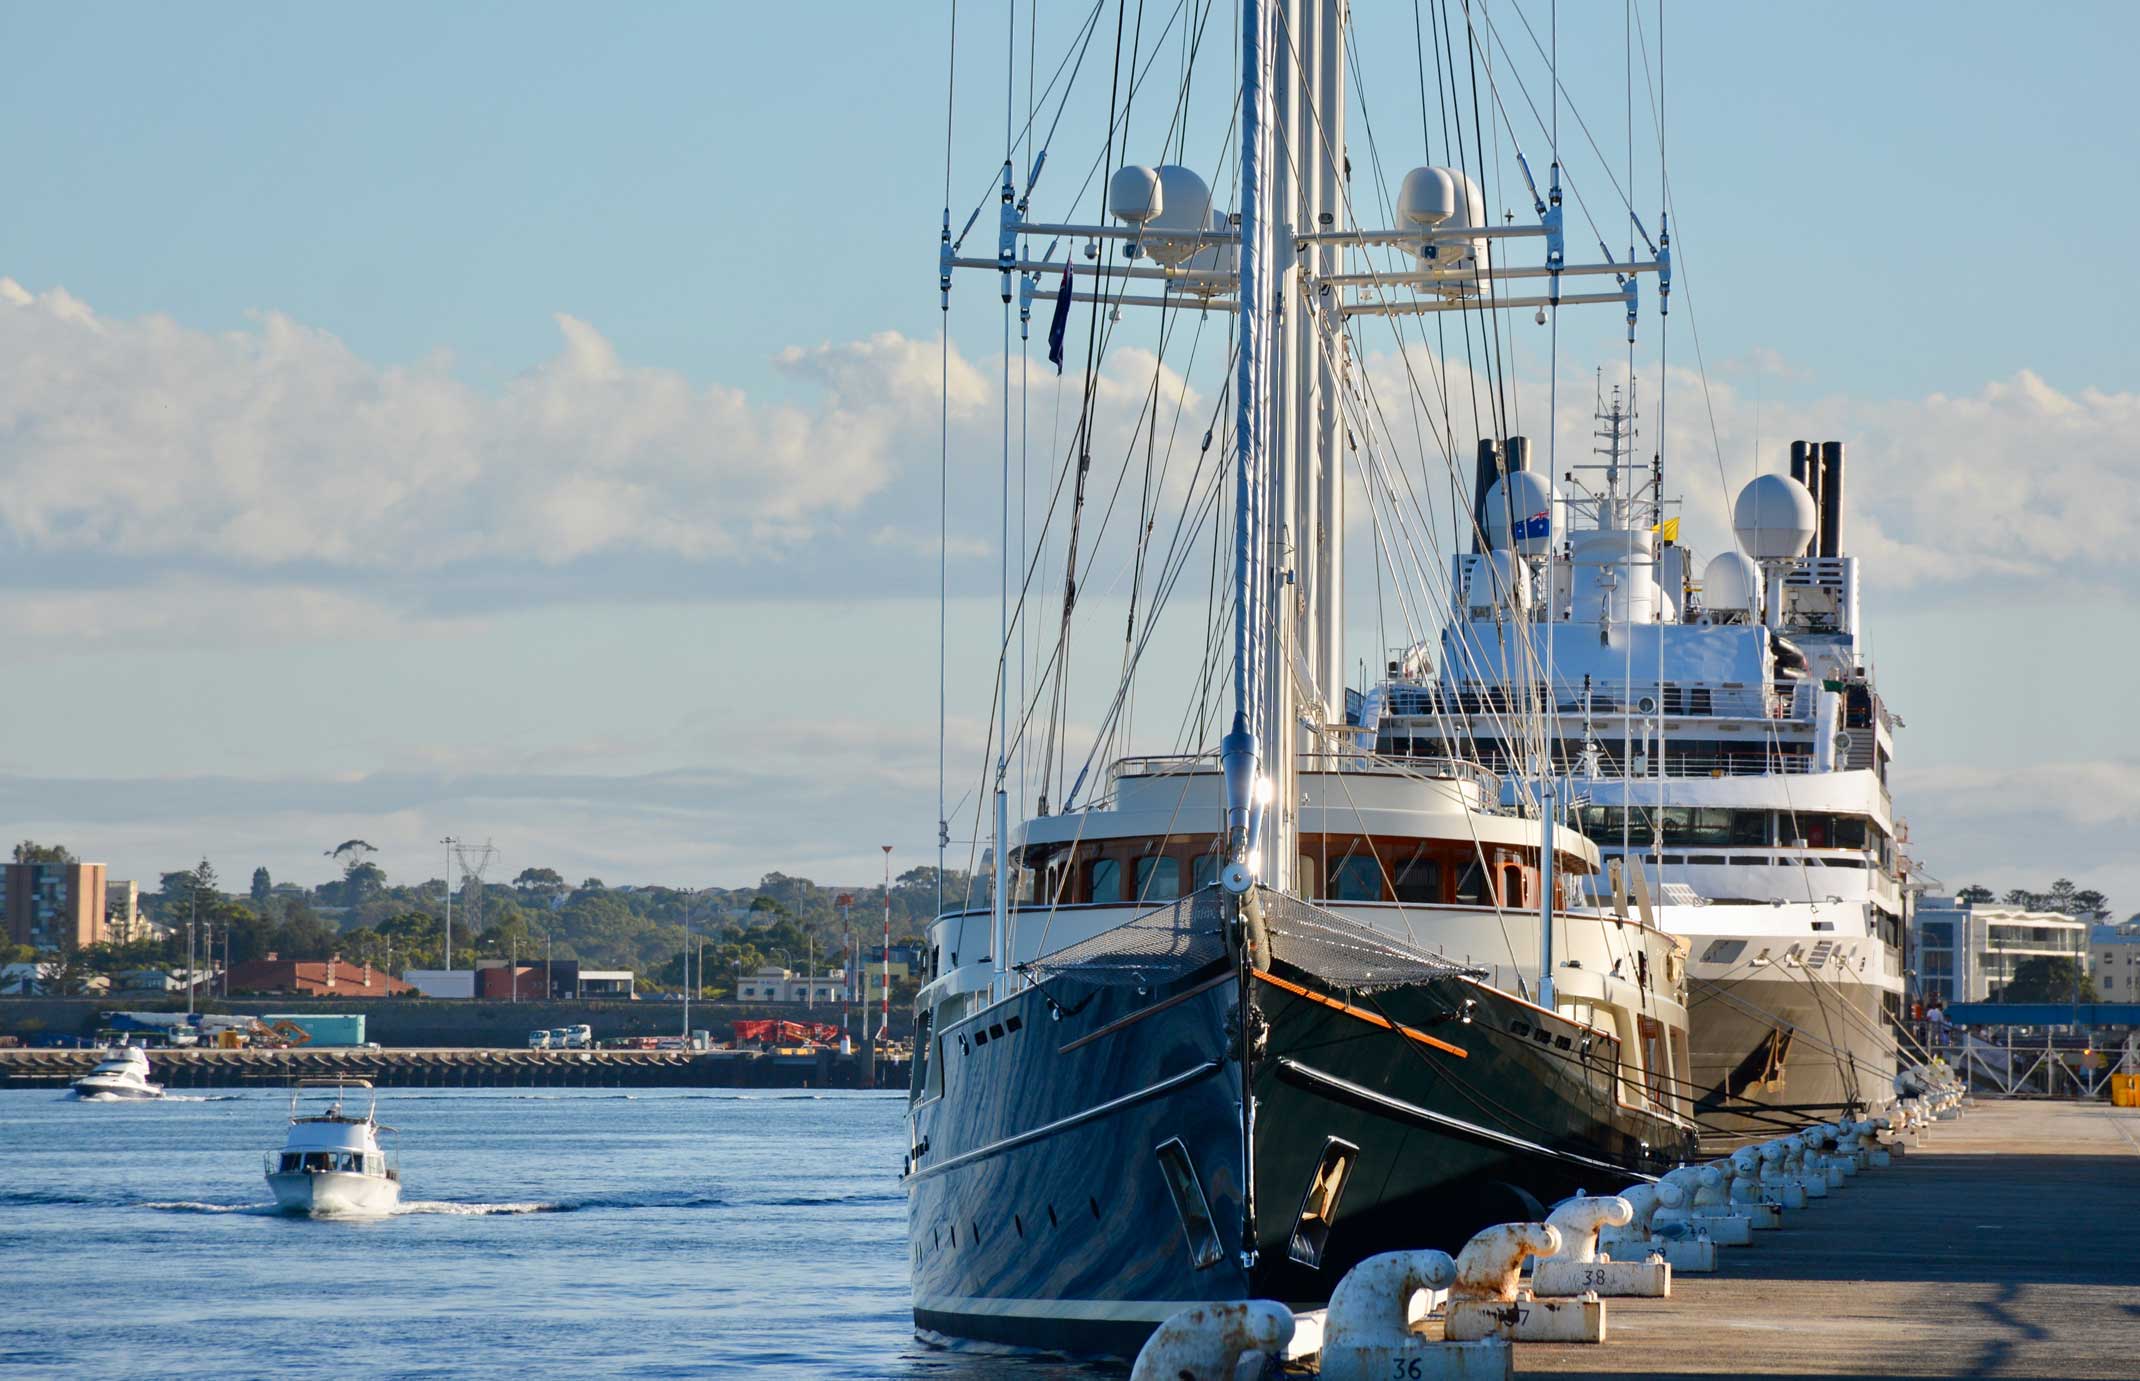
(1241, 753)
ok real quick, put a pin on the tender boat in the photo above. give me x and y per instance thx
(122, 1073)
(332, 1164)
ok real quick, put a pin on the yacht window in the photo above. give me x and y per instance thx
(1723, 951)
(1106, 882)
(1711, 826)
(1356, 877)
(1158, 879)
(1418, 881)
(1511, 885)
(1203, 871)
(1849, 832)
(1749, 827)
(1471, 885)
(1308, 876)
(315, 1161)
(292, 1162)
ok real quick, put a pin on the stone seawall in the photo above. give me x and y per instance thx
(429, 1022)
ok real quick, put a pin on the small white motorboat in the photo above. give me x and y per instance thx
(332, 1165)
(123, 1072)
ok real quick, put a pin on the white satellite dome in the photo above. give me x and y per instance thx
(1731, 584)
(1774, 518)
(1184, 204)
(1134, 194)
(1444, 199)
(1530, 497)
(1428, 197)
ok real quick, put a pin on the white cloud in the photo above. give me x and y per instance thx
(277, 446)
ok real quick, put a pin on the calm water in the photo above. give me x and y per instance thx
(566, 1233)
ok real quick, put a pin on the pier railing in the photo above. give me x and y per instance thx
(2013, 1065)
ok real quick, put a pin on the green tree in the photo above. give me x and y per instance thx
(362, 881)
(263, 887)
(30, 851)
(546, 881)
(2048, 978)
(1975, 895)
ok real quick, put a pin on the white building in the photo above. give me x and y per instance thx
(783, 985)
(2114, 961)
(1966, 952)
(441, 982)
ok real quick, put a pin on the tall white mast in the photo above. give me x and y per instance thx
(1327, 214)
(1241, 753)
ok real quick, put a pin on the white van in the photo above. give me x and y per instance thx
(538, 1040)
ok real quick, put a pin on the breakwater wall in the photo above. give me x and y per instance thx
(466, 1068)
(431, 1022)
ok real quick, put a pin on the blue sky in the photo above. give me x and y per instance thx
(346, 270)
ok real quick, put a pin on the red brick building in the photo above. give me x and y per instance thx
(313, 978)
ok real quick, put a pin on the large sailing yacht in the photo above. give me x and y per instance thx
(1250, 1014)
(1719, 729)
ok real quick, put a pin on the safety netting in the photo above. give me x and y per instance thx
(1181, 937)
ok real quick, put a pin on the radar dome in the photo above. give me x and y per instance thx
(1184, 205)
(1428, 196)
(1731, 584)
(1444, 199)
(1773, 518)
(1133, 194)
(1529, 501)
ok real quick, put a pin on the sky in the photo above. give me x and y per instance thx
(524, 422)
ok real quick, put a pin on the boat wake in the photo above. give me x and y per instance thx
(464, 1210)
(198, 1206)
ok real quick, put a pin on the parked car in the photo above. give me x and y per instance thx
(539, 1040)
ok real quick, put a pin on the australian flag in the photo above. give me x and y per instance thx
(1537, 525)
(1060, 322)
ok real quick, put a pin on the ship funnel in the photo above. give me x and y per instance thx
(1831, 498)
(1482, 483)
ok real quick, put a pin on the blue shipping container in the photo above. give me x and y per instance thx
(324, 1030)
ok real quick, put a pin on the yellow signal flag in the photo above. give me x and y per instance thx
(1668, 529)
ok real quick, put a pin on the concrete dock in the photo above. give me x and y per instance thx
(2007, 1244)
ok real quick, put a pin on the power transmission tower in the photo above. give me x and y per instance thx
(474, 859)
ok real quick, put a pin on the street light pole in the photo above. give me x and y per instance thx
(193, 976)
(449, 841)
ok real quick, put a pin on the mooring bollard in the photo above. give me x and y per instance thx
(1779, 1185)
(1683, 1248)
(1715, 1221)
(1744, 1196)
(1367, 1331)
(1579, 1267)
(1485, 1301)
(1208, 1342)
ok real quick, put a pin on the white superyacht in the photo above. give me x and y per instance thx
(1720, 736)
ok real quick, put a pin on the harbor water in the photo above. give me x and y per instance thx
(585, 1233)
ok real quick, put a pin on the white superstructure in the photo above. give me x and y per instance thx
(123, 1072)
(1720, 737)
